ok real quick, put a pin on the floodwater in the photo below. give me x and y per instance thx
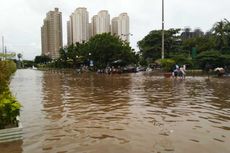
(66, 112)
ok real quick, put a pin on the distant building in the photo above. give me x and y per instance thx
(123, 26)
(114, 29)
(79, 29)
(69, 32)
(103, 22)
(187, 34)
(78, 26)
(51, 34)
(208, 33)
(120, 26)
(198, 33)
(90, 30)
(93, 25)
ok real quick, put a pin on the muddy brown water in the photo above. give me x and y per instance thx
(66, 112)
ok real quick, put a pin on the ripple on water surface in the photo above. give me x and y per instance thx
(67, 112)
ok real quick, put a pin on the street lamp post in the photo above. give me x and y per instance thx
(163, 33)
(90, 60)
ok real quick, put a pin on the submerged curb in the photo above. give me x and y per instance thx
(11, 134)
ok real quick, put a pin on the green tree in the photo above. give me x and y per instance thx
(221, 31)
(19, 56)
(202, 43)
(28, 63)
(72, 55)
(63, 54)
(212, 59)
(150, 46)
(183, 59)
(42, 59)
(167, 64)
(105, 48)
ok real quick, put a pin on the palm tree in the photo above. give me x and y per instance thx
(19, 56)
(20, 64)
(221, 31)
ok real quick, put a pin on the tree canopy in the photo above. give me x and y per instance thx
(42, 59)
(150, 45)
(102, 49)
(194, 48)
(221, 31)
(211, 48)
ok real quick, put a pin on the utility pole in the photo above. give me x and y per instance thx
(5, 53)
(163, 32)
(3, 47)
(5, 50)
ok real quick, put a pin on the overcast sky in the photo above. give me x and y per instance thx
(20, 20)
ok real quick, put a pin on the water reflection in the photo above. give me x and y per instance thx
(81, 109)
(12, 147)
(67, 112)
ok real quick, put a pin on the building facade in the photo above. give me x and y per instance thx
(94, 25)
(69, 33)
(51, 34)
(78, 26)
(188, 33)
(114, 26)
(120, 26)
(123, 26)
(80, 30)
(103, 22)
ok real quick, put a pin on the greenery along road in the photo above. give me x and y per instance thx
(212, 48)
(9, 106)
(199, 50)
(102, 49)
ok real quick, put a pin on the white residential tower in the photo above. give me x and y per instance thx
(51, 34)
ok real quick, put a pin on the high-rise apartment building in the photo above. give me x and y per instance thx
(103, 22)
(114, 26)
(79, 29)
(51, 34)
(120, 26)
(78, 26)
(69, 32)
(123, 26)
(188, 33)
(94, 25)
(90, 30)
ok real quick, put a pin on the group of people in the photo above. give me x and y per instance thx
(110, 70)
(220, 71)
(179, 72)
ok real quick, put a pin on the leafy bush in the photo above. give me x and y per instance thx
(182, 59)
(28, 63)
(42, 59)
(9, 107)
(9, 110)
(167, 64)
(211, 58)
(6, 69)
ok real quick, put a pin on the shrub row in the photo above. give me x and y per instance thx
(9, 106)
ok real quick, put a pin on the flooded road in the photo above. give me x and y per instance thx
(65, 112)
